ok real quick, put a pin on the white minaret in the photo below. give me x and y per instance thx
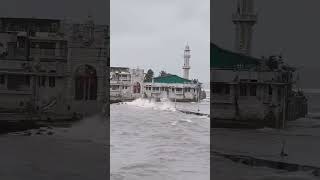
(186, 65)
(244, 19)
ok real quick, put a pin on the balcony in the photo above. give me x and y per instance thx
(42, 53)
(89, 52)
(120, 82)
(48, 53)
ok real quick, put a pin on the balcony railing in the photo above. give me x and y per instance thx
(89, 52)
(48, 52)
(41, 53)
(179, 92)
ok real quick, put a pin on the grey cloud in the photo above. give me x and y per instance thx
(152, 34)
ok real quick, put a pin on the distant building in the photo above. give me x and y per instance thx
(247, 91)
(52, 68)
(129, 84)
(173, 88)
(126, 83)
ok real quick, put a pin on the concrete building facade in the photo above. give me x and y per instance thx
(53, 67)
(126, 83)
(253, 92)
(174, 88)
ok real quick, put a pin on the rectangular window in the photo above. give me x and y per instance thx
(243, 90)
(17, 82)
(114, 87)
(227, 89)
(221, 88)
(270, 90)
(2, 79)
(253, 90)
(43, 81)
(28, 81)
(279, 94)
(216, 89)
(52, 81)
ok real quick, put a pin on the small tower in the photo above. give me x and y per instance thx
(89, 27)
(244, 19)
(186, 65)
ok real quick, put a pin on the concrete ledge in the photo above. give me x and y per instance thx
(194, 113)
(258, 162)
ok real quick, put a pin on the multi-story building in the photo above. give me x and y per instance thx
(52, 68)
(174, 88)
(125, 83)
(247, 91)
(129, 84)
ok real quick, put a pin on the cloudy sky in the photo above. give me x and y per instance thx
(75, 9)
(153, 34)
(286, 26)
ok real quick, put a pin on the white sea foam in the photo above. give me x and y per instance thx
(174, 123)
(186, 120)
(164, 105)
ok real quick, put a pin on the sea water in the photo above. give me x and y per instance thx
(152, 140)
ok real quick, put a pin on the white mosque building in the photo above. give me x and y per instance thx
(174, 87)
(248, 91)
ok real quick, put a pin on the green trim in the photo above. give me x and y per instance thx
(224, 59)
(170, 79)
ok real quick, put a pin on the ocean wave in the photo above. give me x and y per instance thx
(164, 105)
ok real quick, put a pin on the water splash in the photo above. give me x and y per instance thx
(185, 120)
(164, 105)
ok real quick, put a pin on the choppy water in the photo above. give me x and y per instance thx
(74, 153)
(302, 137)
(151, 140)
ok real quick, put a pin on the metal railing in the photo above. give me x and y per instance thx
(89, 52)
(41, 52)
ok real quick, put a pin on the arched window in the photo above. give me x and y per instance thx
(136, 87)
(86, 83)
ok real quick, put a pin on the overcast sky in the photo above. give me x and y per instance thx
(153, 34)
(75, 9)
(287, 26)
